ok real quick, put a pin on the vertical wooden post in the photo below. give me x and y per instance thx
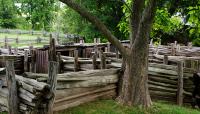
(12, 88)
(108, 47)
(52, 81)
(98, 40)
(26, 60)
(16, 51)
(94, 61)
(117, 54)
(96, 50)
(76, 65)
(52, 49)
(84, 53)
(189, 45)
(95, 40)
(165, 60)
(30, 48)
(178, 48)
(160, 42)
(59, 60)
(52, 73)
(33, 60)
(175, 43)
(9, 50)
(173, 50)
(151, 42)
(6, 42)
(103, 60)
(180, 84)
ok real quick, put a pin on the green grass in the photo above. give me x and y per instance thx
(111, 107)
(22, 39)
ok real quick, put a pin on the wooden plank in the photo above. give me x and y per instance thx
(165, 60)
(12, 88)
(26, 61)
(103, 60)
(52, 81)
(180, 84)
(76, 64)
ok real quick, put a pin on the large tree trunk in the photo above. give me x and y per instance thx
(135, 80)
(134, 90)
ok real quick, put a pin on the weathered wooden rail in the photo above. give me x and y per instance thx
(72, 89)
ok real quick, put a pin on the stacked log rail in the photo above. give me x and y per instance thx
(163, 81)
(179, 50)
(84, 64)
(76, 88)
(18, 63)
(73, 89)
(31, 94)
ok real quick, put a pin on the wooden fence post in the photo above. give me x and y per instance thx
(6, 42)
(173, 50)
(52, 49)
(52, 81)
(59, 60)
(12, 88)
(52, 73)
(95, 40)
(26, 61)
(76, 64)
(94, 61)
(16, 51)
(189, 46)
(180, 84)
(117, 53)
(103, 60)
(9, 50)
(98, 40)
(108, 47)
(33, 60)
(151, 42)
(165, 60)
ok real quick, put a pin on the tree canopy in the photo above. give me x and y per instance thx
(175, 19)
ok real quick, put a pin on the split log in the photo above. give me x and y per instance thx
(12, 88)
(52, 81)
(75, 91)
(94, 81)
(81, 100)
(180, 84)
(40, 86)
(90, 73)
(163, 80)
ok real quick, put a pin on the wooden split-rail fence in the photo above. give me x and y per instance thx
(34, 91)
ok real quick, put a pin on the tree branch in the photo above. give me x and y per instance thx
(95, 21)
(146, 22)
(136, 15)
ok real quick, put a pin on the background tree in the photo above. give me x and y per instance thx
(134, 86)
(39, 13)
(176, 20)
(109, 12)
(8, 17)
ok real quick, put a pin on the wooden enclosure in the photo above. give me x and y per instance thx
(87, 72)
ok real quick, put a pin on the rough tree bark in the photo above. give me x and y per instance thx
(134, 90)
